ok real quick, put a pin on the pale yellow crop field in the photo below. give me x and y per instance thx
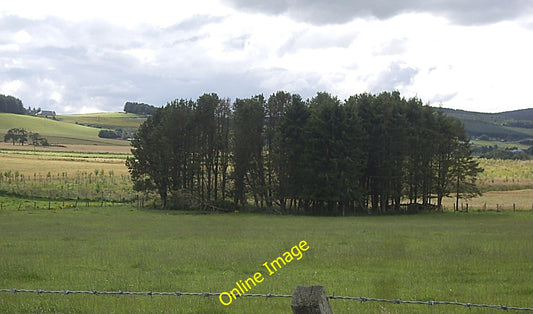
(80, 148)
(502, 175)
(492, 200)
(36, 166)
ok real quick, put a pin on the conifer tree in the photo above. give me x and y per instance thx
(293, 168)
(248, 150)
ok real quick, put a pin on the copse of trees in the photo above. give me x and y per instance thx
(183, 150)
(108, 134)
(10, 104)
(139, 108)
(20, 135)
(16, 135)
(368, 154)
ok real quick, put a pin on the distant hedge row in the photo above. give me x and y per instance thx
(139, 108)
(108, 134)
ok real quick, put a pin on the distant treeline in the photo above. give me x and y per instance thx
(367, 154)
(139, 108)
(109, 134)
(10, 104)
(20, 135)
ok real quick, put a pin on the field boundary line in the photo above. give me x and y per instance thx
(269, 295)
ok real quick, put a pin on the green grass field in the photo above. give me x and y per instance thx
(500, 144)
(477, 257)
(110, 120)
(56, 132)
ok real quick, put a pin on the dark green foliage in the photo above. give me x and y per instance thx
(10, 104)
(294, 171)
(147, 166)
(20, 135)
(16, 135)
(139, 108)
(333, 156)
(274, 112)
(463, 171)
(370, 154)
(513, 154)
(37, 140)
(249, 175)
(108, 134)
(182, 150)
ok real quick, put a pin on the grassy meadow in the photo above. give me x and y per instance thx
(477, 257)
(56, 132)
(109, 120)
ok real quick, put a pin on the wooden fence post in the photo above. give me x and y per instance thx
(310, 300)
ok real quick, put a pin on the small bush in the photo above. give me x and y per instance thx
(108, 134)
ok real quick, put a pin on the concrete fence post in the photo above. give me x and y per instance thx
(310, 300)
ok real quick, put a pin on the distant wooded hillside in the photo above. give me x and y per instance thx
(509, 125)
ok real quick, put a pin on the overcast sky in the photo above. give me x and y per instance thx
(92, 56)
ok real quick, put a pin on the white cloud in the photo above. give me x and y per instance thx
(98, 55)
(143, 55)
(22, 37)
(129, 13)
(11, 88)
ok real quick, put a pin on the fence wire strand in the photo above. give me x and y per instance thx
(269, 295)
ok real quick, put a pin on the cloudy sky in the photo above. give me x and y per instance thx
(91, 56)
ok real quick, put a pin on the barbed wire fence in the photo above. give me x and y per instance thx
(269, 295)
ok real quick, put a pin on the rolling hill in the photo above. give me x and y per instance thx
(509, 126)
(56, 132)
(83, 128)
(106, 120)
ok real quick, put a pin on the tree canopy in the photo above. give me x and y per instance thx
(20, 135)
(10, 104)
(367, 154)
(139, 108)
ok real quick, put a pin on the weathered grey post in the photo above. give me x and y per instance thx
(310, 300)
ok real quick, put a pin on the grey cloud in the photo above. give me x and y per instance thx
(471, 12)
(394, 78)
(237, 42)
(11, 23)
(441, 98)
(188, 40)
(195, 22)
(83, 73)
(317, 39)
(274, 79)
(89, 65)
